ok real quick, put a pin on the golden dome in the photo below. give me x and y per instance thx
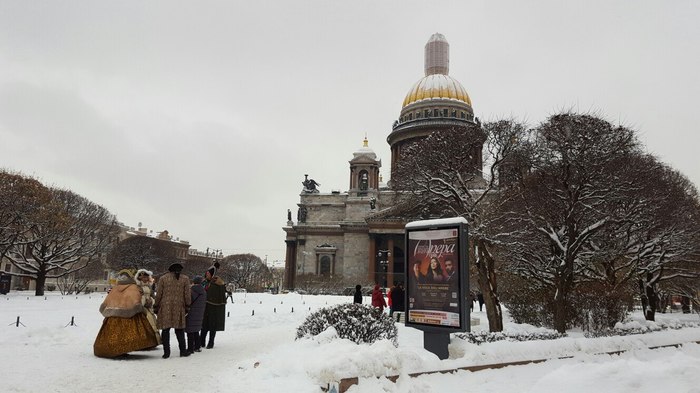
(437, 86)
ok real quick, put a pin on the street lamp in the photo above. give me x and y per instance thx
(383, 256)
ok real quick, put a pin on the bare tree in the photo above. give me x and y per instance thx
(20, 198)
(79, 280)
(142, 252)
(441, 176)
(67, 234)
(245, 271)
(572, 193)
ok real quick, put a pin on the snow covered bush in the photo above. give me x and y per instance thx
(635, 327)
(481, 337)
(355, 322)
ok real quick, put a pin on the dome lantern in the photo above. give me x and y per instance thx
(437, 55)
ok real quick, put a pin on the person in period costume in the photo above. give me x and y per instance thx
(125, 327)
(173, 301)
(215, 310)
(378, 298)
(357, 298)
(195, 316)
(144, 279)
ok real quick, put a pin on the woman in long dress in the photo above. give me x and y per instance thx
(144, 279)
(125, 327)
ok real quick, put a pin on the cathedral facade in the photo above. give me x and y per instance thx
(359, 234)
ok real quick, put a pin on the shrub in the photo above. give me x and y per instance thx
(50, 288)
(481, 337)
(355, 322)
(598, 308)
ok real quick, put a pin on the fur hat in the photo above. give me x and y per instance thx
(197, 280)
(140, 272)
(125, 276)
(212, 270)
(175, 268)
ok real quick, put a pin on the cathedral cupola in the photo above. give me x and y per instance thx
(436, 101)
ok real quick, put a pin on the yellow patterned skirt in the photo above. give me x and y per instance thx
(119, 336)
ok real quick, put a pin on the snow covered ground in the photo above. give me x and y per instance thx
(258, 353)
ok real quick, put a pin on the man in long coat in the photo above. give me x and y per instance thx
(215, 309)
(172, 304)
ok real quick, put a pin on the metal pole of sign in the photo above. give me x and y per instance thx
(437, 343)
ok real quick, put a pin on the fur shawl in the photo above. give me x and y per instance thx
(123, 301)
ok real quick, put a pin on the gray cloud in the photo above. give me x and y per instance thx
(202, 118)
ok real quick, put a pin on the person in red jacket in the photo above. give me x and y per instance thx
(378, 298)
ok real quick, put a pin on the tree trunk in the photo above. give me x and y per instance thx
(560, 310)
(650, 298)
(563, 284)
(643, 297)
(488, 285)
(653, 300)
(40, 283)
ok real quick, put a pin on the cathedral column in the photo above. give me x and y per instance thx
(290, 264)
(390, 267)
(371, 269)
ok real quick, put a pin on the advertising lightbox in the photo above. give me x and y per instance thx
(437, 275)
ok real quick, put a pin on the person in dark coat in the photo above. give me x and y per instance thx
(196, 315)
(397, 299)
(172, 304)
(357, 298)
(480, 298)
(215, 310)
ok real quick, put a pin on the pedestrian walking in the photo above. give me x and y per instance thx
(378, 298)
(357, 298)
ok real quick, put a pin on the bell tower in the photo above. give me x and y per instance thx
(364, 171)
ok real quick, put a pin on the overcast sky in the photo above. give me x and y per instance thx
(202, 117)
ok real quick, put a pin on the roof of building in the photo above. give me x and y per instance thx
(437, 86)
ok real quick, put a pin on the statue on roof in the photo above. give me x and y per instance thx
(310, 185)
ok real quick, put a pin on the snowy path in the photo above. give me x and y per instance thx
(46, 356)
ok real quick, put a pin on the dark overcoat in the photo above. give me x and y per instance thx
(215, 311)
(172, 301)
(196, 314)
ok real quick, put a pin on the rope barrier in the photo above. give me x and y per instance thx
(72, 322)
(17, 323)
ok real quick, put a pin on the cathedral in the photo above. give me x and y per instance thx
(359, 234)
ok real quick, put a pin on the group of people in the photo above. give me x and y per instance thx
(136, 320)
(474, 297)
(395, 295)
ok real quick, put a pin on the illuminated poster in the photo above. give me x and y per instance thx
(433, 278)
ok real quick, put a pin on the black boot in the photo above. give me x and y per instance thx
(212, 334)
(180, 334)
(190, 343)
(197, 342)
(165, 338)
(203, 338)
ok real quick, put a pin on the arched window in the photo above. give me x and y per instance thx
(363, 180)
